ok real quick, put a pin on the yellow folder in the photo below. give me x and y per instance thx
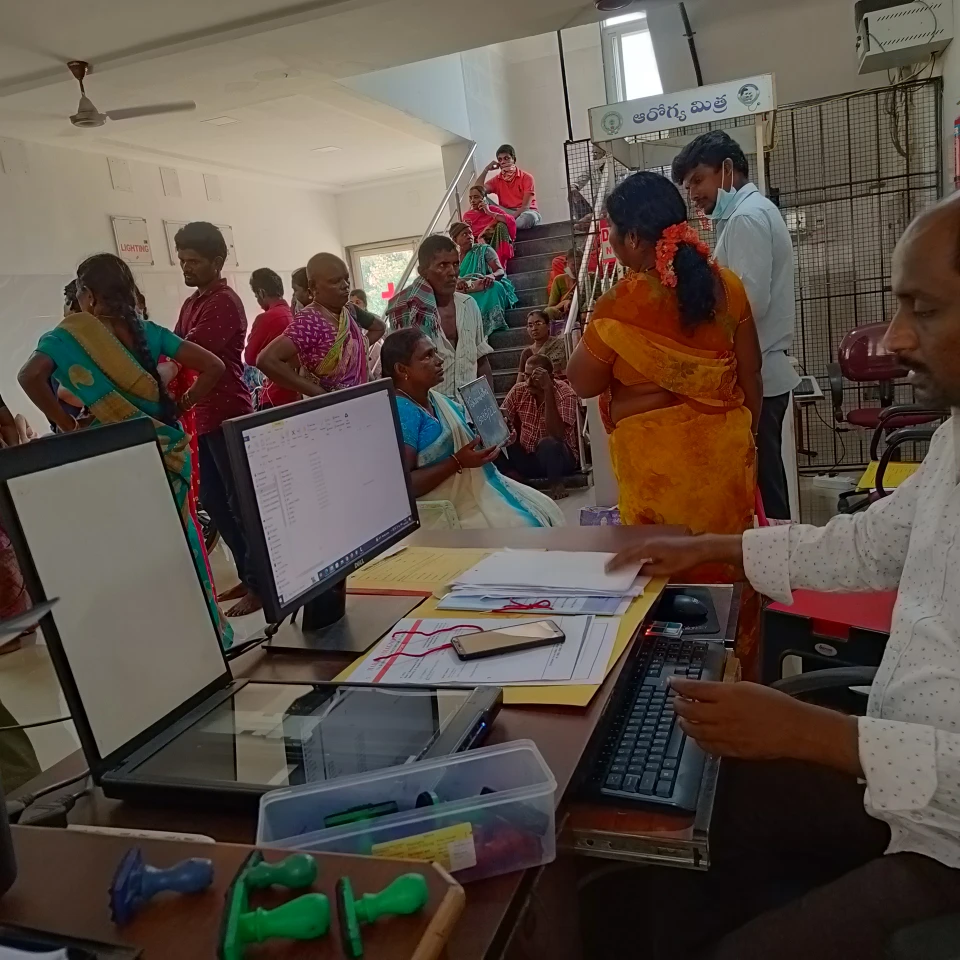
(564, 695)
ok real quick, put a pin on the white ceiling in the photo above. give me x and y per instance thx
(270, 64)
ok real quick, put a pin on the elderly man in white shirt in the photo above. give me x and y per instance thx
(452, 320)
(753, 241)
(847, 829)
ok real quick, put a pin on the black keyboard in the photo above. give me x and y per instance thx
(647, 757)
(804, 388)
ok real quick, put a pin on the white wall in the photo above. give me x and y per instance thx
(431, 90)
(58, 212)
(489, 98)
(809, 45)
(537, 112)
(390, 211)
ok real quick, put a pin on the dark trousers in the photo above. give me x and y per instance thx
(797, 873)
(218, 495)
(771, 477)
(552, 460)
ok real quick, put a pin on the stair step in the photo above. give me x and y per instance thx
(531, 280)
(537, 248)
(503, 381)
(558, 229)
(507, 359)
(540, 263)
(530, 299)
(514, 339)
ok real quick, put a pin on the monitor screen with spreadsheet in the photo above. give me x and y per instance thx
(323, 490)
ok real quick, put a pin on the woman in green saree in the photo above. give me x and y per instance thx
(483, 277)
(108, 355)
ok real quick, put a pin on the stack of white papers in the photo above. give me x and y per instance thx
(554, 572)
(581, 659)
(528, 581)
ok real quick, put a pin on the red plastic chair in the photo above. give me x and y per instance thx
(862, 359)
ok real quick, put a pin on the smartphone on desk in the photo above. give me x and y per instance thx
(523, 636)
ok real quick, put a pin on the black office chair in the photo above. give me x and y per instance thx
(936, 939)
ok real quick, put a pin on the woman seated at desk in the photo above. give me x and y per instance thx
(672, 350)
(447, 463)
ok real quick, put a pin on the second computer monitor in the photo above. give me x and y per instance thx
(323, 490)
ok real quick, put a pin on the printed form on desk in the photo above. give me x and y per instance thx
(399, 659)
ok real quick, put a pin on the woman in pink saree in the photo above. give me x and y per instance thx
(491, 224)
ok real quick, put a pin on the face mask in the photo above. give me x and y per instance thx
(725, 198)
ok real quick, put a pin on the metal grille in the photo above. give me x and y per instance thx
(849, 173)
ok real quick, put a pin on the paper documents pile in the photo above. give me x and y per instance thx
(398, 659)
(531, 581)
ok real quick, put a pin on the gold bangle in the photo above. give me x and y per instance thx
(456, 460)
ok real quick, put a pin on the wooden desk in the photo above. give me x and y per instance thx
(64, 878)
(487, 927)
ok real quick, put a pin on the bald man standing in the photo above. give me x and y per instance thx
(324, 349)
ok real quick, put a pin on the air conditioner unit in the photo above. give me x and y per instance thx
(891, 35)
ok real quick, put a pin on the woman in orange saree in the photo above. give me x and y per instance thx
(672, 351)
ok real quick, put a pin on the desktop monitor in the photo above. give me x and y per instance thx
(94, 522)
(323, 490)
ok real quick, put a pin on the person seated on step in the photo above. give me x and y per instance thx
(542, 413)
(482, 277)
(515, 188)
(543, 345)
(445, 458)
(491, 224)
(452, 320)
(562, 286)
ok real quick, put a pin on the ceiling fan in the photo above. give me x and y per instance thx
(88, 115)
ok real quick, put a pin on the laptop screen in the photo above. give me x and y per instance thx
(106, 538)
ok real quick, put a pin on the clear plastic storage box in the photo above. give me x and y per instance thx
(482, 813)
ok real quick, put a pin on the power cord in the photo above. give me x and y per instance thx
(269, 632)
(38, 723)
(27, 811)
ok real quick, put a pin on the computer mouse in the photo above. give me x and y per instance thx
(689, 611)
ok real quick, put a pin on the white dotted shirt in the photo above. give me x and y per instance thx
(910, 738)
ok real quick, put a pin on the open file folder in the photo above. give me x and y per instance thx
(567, 695)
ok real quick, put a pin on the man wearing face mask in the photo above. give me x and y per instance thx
(753, 241)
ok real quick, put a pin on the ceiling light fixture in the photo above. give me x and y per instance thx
(221, 121)
(328, 149)
(607, 5)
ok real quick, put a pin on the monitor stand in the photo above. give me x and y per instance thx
(336, 622)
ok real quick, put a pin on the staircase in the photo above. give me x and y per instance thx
(529, 270)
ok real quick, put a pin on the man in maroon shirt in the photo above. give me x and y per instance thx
(214, 318)
(276, 317)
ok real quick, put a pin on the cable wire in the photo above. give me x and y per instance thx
(38, 723)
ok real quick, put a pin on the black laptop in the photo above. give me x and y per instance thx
(158, 712)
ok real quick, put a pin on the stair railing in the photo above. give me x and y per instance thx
(452, 189)
(590, 285)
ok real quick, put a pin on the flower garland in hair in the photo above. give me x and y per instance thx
(668, 245)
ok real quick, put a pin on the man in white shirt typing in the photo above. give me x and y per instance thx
(833, 832)
(753, 241)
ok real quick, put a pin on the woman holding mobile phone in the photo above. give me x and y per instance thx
(447, 462)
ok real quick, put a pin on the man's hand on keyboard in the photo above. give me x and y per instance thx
(753, 722)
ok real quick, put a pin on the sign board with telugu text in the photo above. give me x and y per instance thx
(133, 240)
(668, 111)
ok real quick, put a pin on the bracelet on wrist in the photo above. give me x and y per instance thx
(456, 460)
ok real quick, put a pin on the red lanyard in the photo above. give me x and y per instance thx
(431, 633)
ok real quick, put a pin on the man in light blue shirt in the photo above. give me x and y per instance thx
(753, 241)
